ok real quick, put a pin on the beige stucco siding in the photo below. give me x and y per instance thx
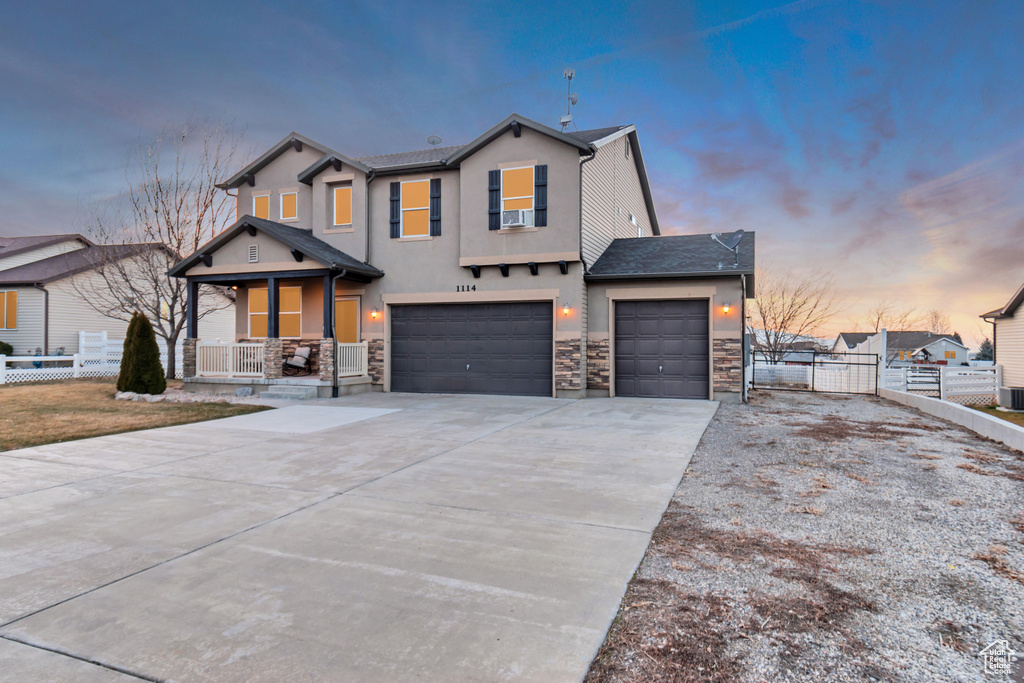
(29, 333)
(233, 257)
(611, 193)
(39, 254)
(350, 239)
(281, 175)
(1010, 349)
(559, 239)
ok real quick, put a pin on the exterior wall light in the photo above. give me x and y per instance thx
(565, 309)
(726, 307)
(374, 313)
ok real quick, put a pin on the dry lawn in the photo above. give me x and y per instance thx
(1015, 418)
(36, 414)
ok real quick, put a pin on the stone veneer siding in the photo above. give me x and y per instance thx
(325, 359)
(188, 358)
(598, 364)
(728, 365)
(273, 358)
(288, 347)
(567, 364)
(375, 360)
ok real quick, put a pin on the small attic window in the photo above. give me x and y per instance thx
(254, 253)
(627, 148)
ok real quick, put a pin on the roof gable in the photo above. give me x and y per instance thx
(291, 141)
(1010, 308)
(513, 123)
(11, 246)
(300, 240)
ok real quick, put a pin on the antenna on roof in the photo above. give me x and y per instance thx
(434, 140)
(730, 242)
(571, 97)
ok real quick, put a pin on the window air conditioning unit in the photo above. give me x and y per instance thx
(516, 218)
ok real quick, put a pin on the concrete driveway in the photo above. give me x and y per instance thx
(375, 537)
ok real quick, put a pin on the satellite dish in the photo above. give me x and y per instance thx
(574, 98)
(434, 140)
(730, 242)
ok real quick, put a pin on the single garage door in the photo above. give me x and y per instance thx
(661, 348)
(501, 348)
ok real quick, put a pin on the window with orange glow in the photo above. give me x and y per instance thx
(415, 208)
(289, 206)
(9, 310)
(342, 206)
(289, 317)
(517, 188)
(261, 206)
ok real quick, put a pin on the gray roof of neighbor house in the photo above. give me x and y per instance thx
(1009, 309)
(9, 246)
(300, 240)
(673, 256)
(73, 262)
(914, 340)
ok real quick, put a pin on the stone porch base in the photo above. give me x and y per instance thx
(229, 385)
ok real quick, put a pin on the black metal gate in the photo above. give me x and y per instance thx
(818, 371)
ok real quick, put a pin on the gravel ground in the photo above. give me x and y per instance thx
(828, 538)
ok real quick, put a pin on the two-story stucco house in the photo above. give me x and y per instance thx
(528, 261)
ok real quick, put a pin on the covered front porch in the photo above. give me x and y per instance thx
(296, 326)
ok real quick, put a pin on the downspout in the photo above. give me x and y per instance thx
(584, 337)
(583, 161)
(46, 318)
(334, 334)
(743, 337)
(369, 179)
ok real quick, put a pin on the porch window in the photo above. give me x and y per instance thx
(346, 320)
(289, 206)
(415, 208)
(289, 318)
(343, 206)
(8, 310)
(261, 206)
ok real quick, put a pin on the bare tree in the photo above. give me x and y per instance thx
(789, 306)
(888, 314)
(169, 211)
(937, 322)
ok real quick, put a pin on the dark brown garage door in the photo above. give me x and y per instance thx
(472, 348)
(661, 348)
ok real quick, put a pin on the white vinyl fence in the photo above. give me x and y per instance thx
(956, 384)
(231, 359)
(351, 359)
(97, 356)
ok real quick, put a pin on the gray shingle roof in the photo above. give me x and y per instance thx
(74, 262)
(1010, 308)
(422, 156)
(672, 256)
(594, 134)
(853, 338)
(296, 238)
(9, 246)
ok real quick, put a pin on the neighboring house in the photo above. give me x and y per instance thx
(1008, 339)
(528, 261)
(910, 347)
(40, 302)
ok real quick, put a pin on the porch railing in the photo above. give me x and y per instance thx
(352, 360)
(215, 359)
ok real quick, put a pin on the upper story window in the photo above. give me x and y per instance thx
(8, 310)
(518, 197)
(416, 208)
(343, 206)
(289, 206)
(261, 206)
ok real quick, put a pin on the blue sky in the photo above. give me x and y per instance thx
(883, 141)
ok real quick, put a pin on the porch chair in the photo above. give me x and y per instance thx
(299, 364)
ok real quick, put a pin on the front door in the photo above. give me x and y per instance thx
(346, 321)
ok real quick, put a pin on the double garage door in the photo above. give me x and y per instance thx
(499, 348)
(661, 348)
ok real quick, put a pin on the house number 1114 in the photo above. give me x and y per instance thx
(465, 288)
